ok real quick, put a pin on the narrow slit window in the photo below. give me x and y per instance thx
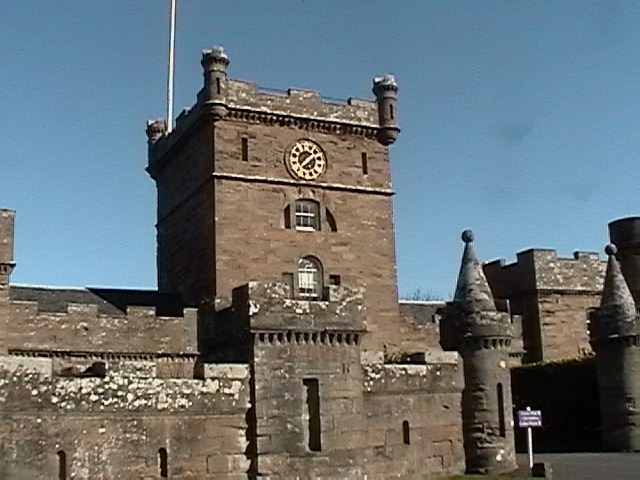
(365, 167)
(406, 433)
(331, 221)
(390, 110)
(218, 89)
(287, 279)
(245, 149)
(287, 216)
(313, 413)
(163, 464)
(501, 421)
(62, 465)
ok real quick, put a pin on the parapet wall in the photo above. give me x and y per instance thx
(113, 425)
(542, 269)
(80, 327)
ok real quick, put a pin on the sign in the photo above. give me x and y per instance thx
(529, 418)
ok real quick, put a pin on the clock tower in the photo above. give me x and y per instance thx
(263, 185)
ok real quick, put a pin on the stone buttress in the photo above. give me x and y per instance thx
(482, 335)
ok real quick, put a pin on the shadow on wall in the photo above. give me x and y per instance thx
(567, 394)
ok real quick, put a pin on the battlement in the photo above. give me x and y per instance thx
(54, 319)
(270, 307)
(542, 269)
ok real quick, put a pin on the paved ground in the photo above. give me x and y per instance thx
(588, 466)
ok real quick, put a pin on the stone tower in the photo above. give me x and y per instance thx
(482, 335)
(615, 334)
(260, 185)
(6, 267)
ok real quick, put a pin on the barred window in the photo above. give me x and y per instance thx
(309, 278)
(307, 215)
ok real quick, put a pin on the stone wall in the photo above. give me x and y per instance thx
(427, 398)
(552, 294)
(361, 408)
(113, 426)
(84, 328)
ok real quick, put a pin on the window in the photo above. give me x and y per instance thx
(62, 465)
(501, 422)
(163, 463)
(313, 413)
(391, 111)
(287, 279)
(309, 278)
(307, 215)
(334, 280)
(218, 87)
(245, 149)
(406, 433)
(365, 168)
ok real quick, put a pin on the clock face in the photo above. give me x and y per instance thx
(306, 160)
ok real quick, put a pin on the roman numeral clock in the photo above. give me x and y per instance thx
(305, 160)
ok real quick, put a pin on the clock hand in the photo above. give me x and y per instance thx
(308, 160)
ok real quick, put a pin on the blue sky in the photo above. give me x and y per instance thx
(519, 120)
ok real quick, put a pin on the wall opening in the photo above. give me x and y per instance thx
(313, 412)
(245, 149)
(331, 221)
(501, 423)
(287, 279)
(365, 167)
(163, 464)
(62, 465)
(334, 280)
(218, 89)
(390, 110)
(406, 433)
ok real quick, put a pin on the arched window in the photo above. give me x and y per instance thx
(62, 465)
(307, 215)
(309, 278)
(163, 465)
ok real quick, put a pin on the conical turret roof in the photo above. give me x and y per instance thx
(617, 300)
(472, 289)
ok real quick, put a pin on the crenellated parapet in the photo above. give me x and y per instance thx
(222, 98)
(48, 322)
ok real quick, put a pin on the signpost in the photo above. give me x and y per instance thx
(529, 419)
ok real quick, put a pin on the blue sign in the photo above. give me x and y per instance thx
(529, 418)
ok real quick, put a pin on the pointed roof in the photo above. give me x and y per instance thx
(616, 296)
(472, 289)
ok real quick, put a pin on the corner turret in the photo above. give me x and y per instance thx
(483, 336)
(215, 62)
(385, 89)
(615, 336)
(6, 245)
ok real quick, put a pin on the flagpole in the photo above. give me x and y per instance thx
(172, 42)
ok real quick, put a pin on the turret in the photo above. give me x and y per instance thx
(385, 89)
(625, 235)
(6, 245)
(6, 267)
(215, 62)
(482, 335)
(615, 336)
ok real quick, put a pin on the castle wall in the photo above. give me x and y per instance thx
(113, 426)
(427, 398)
(186, 217)
(420, 325)
(552, 294)
(361, 408)
(81, 328)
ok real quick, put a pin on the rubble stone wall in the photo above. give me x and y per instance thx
(114, 426)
